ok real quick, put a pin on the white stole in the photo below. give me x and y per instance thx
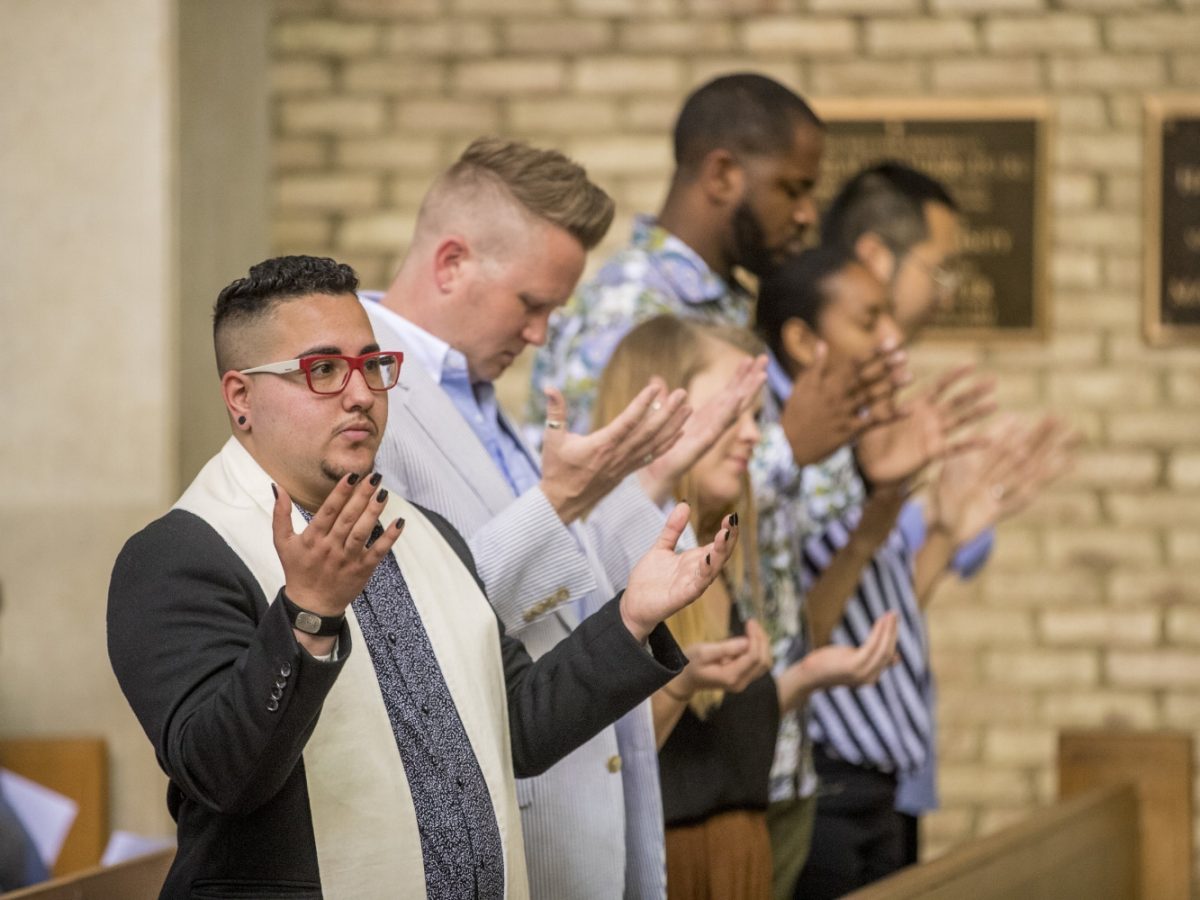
(368, 845)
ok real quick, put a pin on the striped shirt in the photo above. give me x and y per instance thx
(886, 725)
(475, 400)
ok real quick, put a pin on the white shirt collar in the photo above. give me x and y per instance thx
(427, 350)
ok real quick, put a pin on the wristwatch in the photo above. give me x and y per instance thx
(311, 623)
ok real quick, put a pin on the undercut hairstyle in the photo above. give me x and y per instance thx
(677, 350)
(547, 184)
(887, 199)
(798, 289)
(744, 113)
(247, 300)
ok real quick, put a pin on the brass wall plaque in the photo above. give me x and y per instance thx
(993, 157)
(1171, 306)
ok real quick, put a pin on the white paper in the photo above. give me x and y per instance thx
(47, 815)
(125, 845)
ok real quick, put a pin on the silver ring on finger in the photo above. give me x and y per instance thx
(647, 459)
(554, 423)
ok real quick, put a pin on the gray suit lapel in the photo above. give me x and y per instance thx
(430, 410)
(427, 408)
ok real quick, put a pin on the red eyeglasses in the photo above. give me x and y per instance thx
(329, 374)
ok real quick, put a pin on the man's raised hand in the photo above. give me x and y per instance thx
(327, 565)
(1048, 454)
(664, 582)
(578, 470)
(968, 494)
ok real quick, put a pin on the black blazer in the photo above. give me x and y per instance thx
(229, 698)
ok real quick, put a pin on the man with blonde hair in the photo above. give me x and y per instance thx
(500, 242)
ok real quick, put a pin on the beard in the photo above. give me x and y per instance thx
(335, 472)
(750, 250)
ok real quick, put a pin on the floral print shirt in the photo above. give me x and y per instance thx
(657, 273)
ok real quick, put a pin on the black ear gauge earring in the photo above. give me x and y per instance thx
(241, 420)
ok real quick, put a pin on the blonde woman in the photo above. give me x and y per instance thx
(716, 722)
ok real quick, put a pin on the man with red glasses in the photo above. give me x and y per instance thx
(338, 709)
(329, 374)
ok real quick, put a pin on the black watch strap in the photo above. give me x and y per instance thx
(311, 623)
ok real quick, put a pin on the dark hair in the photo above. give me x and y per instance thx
(269, 282)
(796, 289)
(745, 113)
(888, 199)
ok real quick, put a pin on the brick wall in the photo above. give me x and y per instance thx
(1087, 615)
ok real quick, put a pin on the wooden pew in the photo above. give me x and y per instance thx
(76, 768)
(1086, 848)
(135, 879)
(1159, 765)
(1122, 830)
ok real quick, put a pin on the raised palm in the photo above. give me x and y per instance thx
(664, 582)
(931, 430)
(832, 402)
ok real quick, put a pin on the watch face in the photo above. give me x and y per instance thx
(307, 622)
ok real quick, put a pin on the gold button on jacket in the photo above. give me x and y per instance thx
(543, 606)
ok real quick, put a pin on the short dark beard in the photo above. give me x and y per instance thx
(331, 473)
(750, 250)
(337, 474)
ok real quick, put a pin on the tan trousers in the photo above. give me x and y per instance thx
(725, 857)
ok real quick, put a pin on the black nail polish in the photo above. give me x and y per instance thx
(399, 524)
(353, 479)
(708, 559)
(376, 478)
(381, 496)
(274, 490)
(733, 520)
(726, 534)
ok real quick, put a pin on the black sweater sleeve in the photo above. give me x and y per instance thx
(214, 675)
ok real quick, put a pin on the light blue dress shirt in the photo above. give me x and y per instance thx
(476, 402)
(916, 792)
